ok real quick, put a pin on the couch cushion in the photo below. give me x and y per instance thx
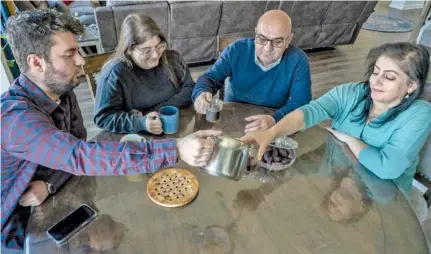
(240, 16)
(335, 34)
(195, 50)
(286, 6)
(369, 8)
(194, 19)
(134, 2)
(273, 5)
(158, 11)
(351, 11)
(305, 37)
(306, 14)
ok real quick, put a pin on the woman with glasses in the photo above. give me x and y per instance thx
(266, 70)
(142, 76)
(382, 120)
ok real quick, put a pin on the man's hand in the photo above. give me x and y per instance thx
(34, 196)
(153, 123)
(196, 149)
(259, 123)
(202, 102)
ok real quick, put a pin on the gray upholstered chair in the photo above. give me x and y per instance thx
(421, 195)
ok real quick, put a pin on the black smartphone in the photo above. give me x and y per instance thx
(72, 223)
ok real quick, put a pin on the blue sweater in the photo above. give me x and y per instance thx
(285, 87)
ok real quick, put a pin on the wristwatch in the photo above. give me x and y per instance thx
(51, 188)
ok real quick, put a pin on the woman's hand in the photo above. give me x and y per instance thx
(153, 123)
(345, 138)
(261, 138)
(355, 145)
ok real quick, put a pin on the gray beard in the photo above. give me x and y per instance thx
(57, 86)
(60, 89)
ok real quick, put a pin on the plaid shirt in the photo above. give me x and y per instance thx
(30, 139)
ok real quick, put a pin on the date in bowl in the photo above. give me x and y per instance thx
(276, 159)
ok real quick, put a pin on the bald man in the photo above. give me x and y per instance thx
(266, 70)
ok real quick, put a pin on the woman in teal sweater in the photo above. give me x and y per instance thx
(382, 120)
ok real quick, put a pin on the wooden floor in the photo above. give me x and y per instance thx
(328, 68)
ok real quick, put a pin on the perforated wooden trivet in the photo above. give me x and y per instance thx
(172, 187)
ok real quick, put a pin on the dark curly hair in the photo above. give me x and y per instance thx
(413, 59)
(30, 32)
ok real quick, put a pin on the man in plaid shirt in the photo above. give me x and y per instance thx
(43, 136)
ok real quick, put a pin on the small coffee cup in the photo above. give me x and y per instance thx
(170, 119)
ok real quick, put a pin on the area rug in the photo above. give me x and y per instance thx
(383, 23)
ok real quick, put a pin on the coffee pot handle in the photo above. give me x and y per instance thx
(215, 139)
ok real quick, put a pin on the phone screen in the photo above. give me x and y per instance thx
(73, 221)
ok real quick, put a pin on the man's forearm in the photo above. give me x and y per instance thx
(206, 84)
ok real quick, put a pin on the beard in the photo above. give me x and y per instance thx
(59, 83)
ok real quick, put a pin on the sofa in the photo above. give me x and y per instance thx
(84, 10)
(195, 28)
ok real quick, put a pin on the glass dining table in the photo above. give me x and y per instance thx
(326, 202)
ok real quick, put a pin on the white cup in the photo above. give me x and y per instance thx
(133, 138)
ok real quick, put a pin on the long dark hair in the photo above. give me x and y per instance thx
(412, 59)
(137, 29)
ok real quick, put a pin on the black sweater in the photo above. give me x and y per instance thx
(122, 92)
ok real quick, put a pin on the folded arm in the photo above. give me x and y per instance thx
(391, 160)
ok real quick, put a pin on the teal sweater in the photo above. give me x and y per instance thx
(285, 87)
(393, 148)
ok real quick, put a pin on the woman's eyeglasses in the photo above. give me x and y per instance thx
(147, 51)
(276, 43)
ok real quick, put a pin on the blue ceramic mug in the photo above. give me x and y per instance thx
(170, 119)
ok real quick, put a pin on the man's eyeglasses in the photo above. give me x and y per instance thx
(276, 43)
(147, 51)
